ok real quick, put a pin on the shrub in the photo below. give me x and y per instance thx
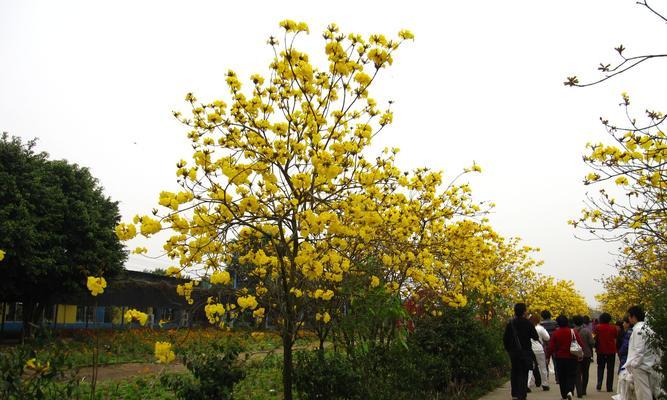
(47, 376)
(657, 320)
(328, 376)
(472, 350)
(215, 370)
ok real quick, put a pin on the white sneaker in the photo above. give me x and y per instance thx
(569, 396)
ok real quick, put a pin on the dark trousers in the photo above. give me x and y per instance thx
(519, 378)
(566, 372)
(606, 361)
(582, 375)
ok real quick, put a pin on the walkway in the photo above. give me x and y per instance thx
(503, 393)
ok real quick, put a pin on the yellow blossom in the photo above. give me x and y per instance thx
(220, 277)
(96, 285)
(125, 231)
(248, 301)
(163, 353)
(136, 315)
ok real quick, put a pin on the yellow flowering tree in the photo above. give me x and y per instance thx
(631, 207)
(278, 175)
(484, 266)
(547, 293)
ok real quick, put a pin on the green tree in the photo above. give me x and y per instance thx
(56, 227)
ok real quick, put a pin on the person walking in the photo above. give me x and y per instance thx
(584, 364)
(550, 326)
(516, 340)
(605, 336)
(566, 362)
(625, 385)
(642, 358)
(540, 357)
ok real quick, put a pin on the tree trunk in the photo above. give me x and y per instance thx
(287, 363)
(27, 316)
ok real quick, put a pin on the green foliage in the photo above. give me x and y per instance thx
(371, 319)
(215, 370)
(328, 375)
(143, 388)
(53, 381)
(263, 380)
(56, 227)
(459, 340)
(657, 320)
(446, 357)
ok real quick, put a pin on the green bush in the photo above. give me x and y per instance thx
(53, 379)
(328, 376)
(215, 370)
(657, 320)
(445, 357)
(472, 350)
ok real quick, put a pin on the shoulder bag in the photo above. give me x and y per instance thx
(575, 349)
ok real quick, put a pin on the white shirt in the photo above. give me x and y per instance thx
(640, 354)
(543, 335)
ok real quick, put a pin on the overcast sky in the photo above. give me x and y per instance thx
(96, 83)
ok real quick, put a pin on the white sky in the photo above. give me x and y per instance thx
(96, 83)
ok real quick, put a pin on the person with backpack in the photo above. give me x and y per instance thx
(561, 346)
(517, 342)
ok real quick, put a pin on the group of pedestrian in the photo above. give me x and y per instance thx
(569, 344)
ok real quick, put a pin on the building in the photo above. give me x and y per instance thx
(147, 292)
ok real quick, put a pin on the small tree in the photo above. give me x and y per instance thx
(283, 166)
(56, 228)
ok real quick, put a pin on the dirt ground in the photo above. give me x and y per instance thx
(128, 370)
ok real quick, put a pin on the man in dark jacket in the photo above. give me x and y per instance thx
(516, 340)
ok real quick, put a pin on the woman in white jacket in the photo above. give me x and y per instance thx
(538, 350)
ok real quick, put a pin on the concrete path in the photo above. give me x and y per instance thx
(503, 393)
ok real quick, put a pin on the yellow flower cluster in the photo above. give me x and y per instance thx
(324, 317)
(37, 366)
(163, 353)
(215, 312)
(323, 294)
(136, 315)
(96, 285)
(2, 255)
(174, 200)
(185, 290)
(259, 313)
(248, 301)
(220, 278)
(126, 231)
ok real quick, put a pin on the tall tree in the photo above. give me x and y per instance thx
(56, 228)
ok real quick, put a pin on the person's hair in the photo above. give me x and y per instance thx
(519, 309)
(637, 312)
(534, 319)
(562, 321)
(619, 322)
(626, 319)
(578, 320)
(605, 318)
(587, 319)
(546, 314)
